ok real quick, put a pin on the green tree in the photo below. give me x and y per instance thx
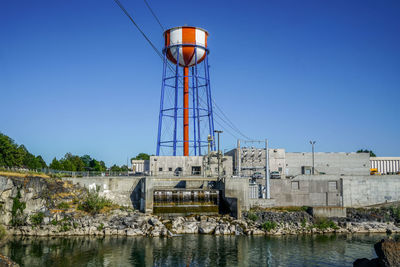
(86, 159)
(124, 168)
(98, 166)
(141, 156)
(41, 162)
(115, 168)
(55, 164)
(371, 154)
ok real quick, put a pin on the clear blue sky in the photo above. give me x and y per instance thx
(76, 76)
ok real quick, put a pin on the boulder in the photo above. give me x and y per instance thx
(7, 262)
(206, 227)
(388, 252)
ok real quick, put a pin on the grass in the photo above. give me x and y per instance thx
(23, 174)
(324, 223)
(269, 225)
(252, 216)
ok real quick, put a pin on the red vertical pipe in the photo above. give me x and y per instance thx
(186, 111)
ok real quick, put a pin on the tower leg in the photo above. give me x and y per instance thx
(161, 106)
(186, 111)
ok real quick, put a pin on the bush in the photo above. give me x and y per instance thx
(93, 203)
(324, 223)
(63, 205)
(100, 227)
(395, 212)
(269, 225)
(37, 219)
(252, 216)
(17, 213)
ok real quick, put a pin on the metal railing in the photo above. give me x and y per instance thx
(58, 173)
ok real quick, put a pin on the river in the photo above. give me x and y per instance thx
(192, 250)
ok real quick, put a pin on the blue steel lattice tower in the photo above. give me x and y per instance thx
(184, 125)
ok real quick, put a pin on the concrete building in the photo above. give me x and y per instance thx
(140, 166)
(187, 166)
(329, 163)
(248, 161)
(386, 165)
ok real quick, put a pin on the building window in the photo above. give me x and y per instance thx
(295, 185)
(170, 169)
(160, 169)
(196, 170)
(280, 169)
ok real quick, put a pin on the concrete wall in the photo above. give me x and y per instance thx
(361, 191)
(329, 163)
(338, 212)
(307, 190)
(236, 194)
(168, 165)
(123, 191)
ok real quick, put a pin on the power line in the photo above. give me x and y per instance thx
(139, 29)
(229, 123)
(154, 15)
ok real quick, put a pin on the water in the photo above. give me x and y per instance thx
(192, 250)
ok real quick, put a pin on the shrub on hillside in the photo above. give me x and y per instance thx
(93, 203)
(37, 219)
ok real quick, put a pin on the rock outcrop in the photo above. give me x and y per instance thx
(7, 262)
(388, 252)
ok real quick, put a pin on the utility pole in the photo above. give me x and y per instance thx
(312, 145)
(267, 184)
(219, 154)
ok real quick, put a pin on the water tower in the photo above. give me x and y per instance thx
(186, 115)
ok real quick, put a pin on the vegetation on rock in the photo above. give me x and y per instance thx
(269, 225)
(93, 203)
(252, 216)
(324, 223)
(37, 218)
(17, 213)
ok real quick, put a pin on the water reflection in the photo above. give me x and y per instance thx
(192, 250)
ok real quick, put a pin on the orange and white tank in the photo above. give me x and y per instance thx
(185, 37)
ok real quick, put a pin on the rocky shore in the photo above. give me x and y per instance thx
(51, 207)
(133, 223)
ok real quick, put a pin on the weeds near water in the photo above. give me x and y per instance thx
(252, 216)
(269, 225)
(324, 223)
